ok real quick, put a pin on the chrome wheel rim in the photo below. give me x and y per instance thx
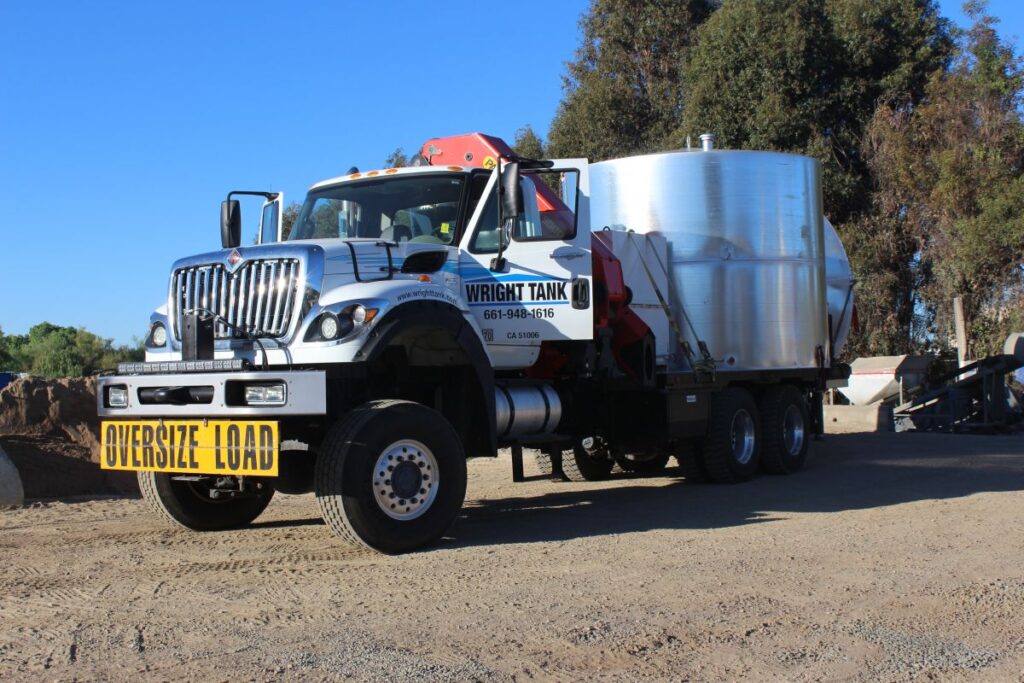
(742, 436)
(793, 430)
(405, 480)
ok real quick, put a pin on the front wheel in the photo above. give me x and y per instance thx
(205, 503)
(391, 476)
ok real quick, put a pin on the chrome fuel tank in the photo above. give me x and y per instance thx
(746, 244)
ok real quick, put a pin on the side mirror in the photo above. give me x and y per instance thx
(230, 224)
(511, 194)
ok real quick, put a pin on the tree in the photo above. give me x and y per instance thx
(805, 76)
(6, 360)
(623, 93)
(527, 144)
(396, 159)
(51, 350)
(288, 218)
(951, 171)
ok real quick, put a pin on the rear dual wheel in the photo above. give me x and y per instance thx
(580, 464)
(743, 435)
(587, 464)
(731, 450)
(784, 429)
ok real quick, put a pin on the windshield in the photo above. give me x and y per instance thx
(411, 208)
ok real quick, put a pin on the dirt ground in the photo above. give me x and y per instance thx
(892, 557)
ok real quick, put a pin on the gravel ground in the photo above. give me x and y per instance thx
(893, 557)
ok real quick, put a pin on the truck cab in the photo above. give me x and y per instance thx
(415, 283)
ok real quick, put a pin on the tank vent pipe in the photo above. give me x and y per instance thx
(707, 142)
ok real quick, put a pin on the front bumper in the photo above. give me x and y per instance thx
(307, 394)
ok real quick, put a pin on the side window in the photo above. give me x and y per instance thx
(485, 240)
(268, 224)
(549, 211)
(556, 200)
(333, 218)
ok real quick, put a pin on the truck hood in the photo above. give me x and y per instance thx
(358, 259)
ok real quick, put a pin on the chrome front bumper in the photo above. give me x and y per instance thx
(307, 394)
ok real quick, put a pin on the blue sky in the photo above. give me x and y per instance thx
(123, 125)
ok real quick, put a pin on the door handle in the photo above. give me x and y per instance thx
(569, 254)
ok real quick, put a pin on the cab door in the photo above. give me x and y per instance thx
(541, 289)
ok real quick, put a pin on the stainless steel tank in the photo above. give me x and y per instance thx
(839, 281)
(746, 247)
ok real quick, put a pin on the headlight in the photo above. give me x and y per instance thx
(266, 394)
(158, 336)
(329, 326)
(117, 397)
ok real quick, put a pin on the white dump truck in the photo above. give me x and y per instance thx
(687, 304)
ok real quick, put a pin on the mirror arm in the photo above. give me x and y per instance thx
(509, 206)
(498, 262)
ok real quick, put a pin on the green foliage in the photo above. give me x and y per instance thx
(6, 360)
(527, 144)
(917, 126)
(623, 92)
(50, 350)
(396, 159)
(288, 218)
(805, 76)
(951, 170)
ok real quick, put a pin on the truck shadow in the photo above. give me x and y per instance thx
(844, 472)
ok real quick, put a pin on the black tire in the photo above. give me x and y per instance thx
(188, 504)
(644, 465)
(579, 465)
(424, 449)
(691, 464)
(546, 466)
(785, 430)
(732, 448)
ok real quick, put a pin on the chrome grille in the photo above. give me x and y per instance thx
(259, 297)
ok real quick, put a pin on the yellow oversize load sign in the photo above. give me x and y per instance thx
(191, 446)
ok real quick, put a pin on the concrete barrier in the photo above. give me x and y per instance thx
(849, 419)
(11, 492)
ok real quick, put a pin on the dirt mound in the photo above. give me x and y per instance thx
(50, 430)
